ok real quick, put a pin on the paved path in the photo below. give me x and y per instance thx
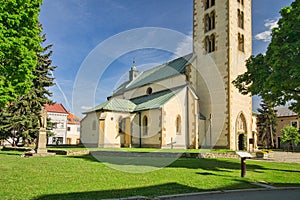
(280, 194)
(284, 157)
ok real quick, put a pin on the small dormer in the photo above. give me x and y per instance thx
(133, 73)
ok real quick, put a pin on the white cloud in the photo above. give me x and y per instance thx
(185, 46)
(266, 35)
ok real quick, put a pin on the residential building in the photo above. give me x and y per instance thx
(58, 116)
(285, 117)
(73, 129)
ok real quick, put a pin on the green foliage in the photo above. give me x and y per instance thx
(267, 122)
(20, 119)
(290, 135)
(19, 41)
(276, 75)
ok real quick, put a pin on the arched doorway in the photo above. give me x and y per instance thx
(242, 142)
(241, 132)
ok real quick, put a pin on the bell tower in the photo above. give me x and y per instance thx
(222, 42)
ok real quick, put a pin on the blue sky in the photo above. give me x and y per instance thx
(77, 27)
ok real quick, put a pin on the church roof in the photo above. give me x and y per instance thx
(153, 101)
(115, 104)
(160, 72)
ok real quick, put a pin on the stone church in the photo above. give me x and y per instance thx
(189, 102)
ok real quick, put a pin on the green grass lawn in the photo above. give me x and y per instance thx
(83, 177)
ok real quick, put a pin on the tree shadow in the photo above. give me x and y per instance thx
(140, 193)
(214, 165)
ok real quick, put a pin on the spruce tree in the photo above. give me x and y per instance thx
(22, 117)
(267, 122)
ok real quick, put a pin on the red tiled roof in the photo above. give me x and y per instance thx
(57, 108)
(72, 119)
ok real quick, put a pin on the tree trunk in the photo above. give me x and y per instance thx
(271, 134)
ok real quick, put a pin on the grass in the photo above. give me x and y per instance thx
(84, 177)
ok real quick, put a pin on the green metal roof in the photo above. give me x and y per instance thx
(153, 101)
(172, 68)
(114, 104)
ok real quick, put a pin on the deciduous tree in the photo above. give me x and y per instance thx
(275, 76)
(20, 41)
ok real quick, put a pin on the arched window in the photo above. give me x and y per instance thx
(210, 42)
(145, 125)
(209, 21)
(178, 125)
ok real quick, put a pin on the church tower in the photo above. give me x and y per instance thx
(222, 43)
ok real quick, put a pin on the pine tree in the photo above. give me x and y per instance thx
(267, 122)
(21, 119)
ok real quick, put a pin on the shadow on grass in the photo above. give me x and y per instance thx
(214, 165)
(148, 192)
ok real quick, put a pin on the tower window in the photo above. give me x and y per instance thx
(210, 42)
(209, 21)
(241, 41)
(241, 1)
(209, 3)
(240, 18)
(206, 4)
(212, 2)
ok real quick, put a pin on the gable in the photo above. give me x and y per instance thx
(155, 74)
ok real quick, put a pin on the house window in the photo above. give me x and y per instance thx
(295, 124)
(178, 125)
(68, 128)
(210, 42)
(241, 42)
(145, 125)
(94, 125)
(240, 18)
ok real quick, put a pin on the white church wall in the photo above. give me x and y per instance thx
(151, 136)
(111, 131)
(89, 130)
(165, 84)
(170, 111)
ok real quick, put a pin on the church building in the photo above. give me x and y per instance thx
(189, 102)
